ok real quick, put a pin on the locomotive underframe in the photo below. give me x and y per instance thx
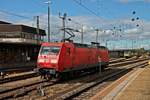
(53, 74)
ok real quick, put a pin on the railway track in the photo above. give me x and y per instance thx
(99, 91)
(68, 89)
(6, 70)
(31, 87)
(58, 89)
(16, 77)
(25, 75)
(72, 94)
(133, 60)
(121, 60)
(22, 89)
(117, 60)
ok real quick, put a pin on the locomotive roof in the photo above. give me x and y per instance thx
(81, 45)
(76, 44)
(102, 47)
(86, 45)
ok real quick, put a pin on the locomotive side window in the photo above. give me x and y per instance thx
(50, 50)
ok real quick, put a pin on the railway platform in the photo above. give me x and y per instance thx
(134, 86)
(138, 88)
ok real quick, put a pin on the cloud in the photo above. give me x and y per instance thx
(3, 16)
(133, 31)
(107, 31)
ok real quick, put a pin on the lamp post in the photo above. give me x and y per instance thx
(49, 30)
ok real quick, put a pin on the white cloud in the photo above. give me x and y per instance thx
(128, 28)
(3, 16)
(133, 31)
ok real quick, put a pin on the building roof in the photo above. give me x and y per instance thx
(20, 28)
(3, 22)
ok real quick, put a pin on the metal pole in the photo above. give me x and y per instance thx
(97, 35)
(106, 43)
(49, 22)
(63, 24)
(132, 44)
(37, 30)
(64, 28)
(82, 31)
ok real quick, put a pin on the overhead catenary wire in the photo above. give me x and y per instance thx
(31, 19)
(21, 16)
(14, 14)
(79, 2)
(91, 11)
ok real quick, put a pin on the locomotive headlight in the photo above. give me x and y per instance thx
(53, 61)
(43, 60)
(46, 60)
(40, 60)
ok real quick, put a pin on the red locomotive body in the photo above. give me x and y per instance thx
(63, 57)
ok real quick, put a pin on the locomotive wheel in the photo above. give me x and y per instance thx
(56, 77)
(48, 77)
(63, 76)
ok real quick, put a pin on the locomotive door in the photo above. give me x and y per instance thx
(68, 57)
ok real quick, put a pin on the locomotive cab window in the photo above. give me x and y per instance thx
(50, 50)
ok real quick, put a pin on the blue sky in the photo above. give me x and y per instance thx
(108, 9)
(110, 13)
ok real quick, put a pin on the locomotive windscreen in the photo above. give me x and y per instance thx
(50, 50)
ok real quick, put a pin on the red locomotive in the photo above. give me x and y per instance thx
(65, 58)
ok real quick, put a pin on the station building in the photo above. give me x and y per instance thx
(19, 45)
